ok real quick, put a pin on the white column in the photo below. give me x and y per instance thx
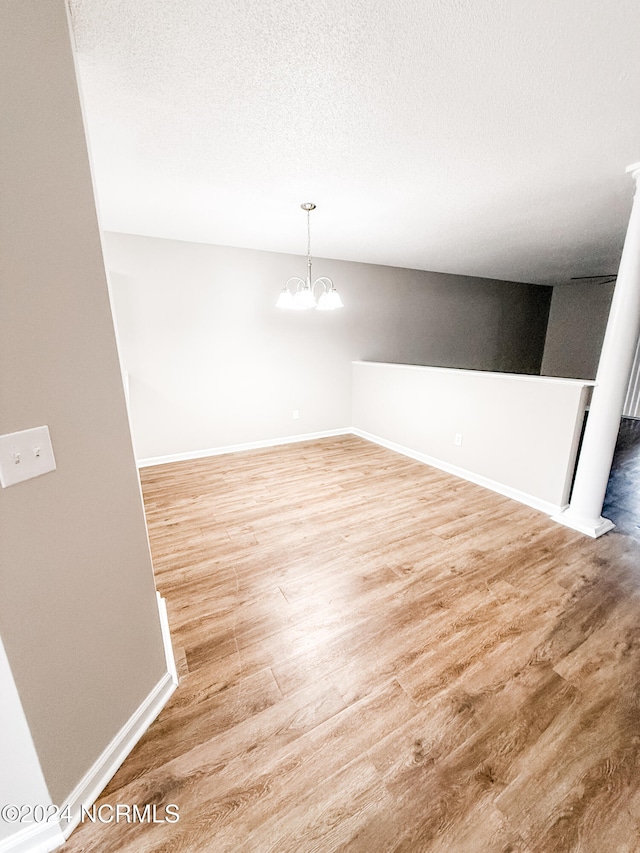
(603, 422)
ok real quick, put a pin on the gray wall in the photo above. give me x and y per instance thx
(577, 323)
(212, 362)
(78, 613)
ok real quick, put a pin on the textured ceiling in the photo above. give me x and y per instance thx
(484, 137)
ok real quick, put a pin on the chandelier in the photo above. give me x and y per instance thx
(302, 295)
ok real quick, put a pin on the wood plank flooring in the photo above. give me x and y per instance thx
(376, 656)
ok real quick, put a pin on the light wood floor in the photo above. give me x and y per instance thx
(377, 656)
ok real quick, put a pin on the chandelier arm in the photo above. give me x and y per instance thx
(297, 280)
(323, 280)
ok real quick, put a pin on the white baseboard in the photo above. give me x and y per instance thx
(97, 777)
(46, 837)
(502, 489)
(594, 528)
(235, 448)
(35, 838)
(515, 494)
(166, 639)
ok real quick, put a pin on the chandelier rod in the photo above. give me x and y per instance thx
(303, 296)
(308, 206)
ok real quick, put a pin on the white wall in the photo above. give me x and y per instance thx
(519, 433)
(21, 778)
(212, 363)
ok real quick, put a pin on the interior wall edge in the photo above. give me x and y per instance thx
(22, 780)
(532, 501)
(210, 360)
(238, 448)
(104, 768)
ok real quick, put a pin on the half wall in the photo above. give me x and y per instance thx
(517, 435)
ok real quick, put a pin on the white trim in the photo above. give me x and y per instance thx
(527, 377)
(35, 838)
(509, 492)
(594, 529)
(45, 837)
(515, 494)
(166, 639)
(95, 780)
(235, 448)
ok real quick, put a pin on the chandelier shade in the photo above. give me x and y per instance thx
(299, 294)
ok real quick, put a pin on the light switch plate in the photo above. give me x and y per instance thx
(24, 455)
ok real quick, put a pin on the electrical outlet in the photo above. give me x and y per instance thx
(458, 440)
(296, 415)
